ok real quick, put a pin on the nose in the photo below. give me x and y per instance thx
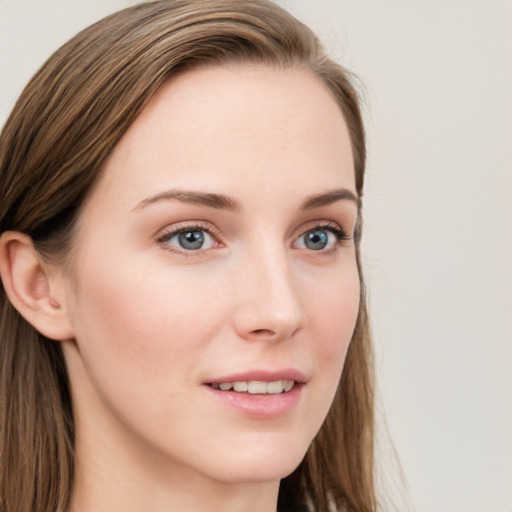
(268, 304)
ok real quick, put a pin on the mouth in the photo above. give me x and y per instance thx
(256, 387)
(259, 394)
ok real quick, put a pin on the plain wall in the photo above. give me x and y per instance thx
(437, 77)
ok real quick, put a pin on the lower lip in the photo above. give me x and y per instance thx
(264, 406)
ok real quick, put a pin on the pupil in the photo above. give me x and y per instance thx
(191, 240)
(316, 240)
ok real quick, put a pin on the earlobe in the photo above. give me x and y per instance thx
(30, 287)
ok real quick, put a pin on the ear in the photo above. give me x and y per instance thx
(31, 286)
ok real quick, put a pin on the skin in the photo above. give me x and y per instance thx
(152, 323)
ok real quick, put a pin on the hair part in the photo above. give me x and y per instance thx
(52, 150)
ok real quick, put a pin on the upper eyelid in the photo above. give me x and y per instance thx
(324, 224)
(198, 225)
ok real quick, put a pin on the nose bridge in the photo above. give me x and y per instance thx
(268, 302)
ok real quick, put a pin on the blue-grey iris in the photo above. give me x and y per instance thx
(191, 240)
(316, 240)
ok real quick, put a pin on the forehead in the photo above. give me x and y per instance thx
(223, 128)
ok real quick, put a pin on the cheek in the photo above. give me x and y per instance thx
(332, 314)
(142, 336)
(135, 328)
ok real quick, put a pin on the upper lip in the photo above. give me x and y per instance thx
(262, 376)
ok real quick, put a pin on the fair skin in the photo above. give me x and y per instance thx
(254, 166)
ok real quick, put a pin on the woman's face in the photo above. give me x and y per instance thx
(215, 288)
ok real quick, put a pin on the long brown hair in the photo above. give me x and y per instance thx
(52, 147)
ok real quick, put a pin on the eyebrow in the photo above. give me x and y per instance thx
(327, 198)
(224, 202)
(217, 201)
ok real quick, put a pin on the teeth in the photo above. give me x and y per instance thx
(240, 386)
(276, 387)
(288, 384)
(257, 387)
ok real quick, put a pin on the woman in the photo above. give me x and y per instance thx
(183, 314)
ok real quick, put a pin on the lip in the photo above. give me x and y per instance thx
(259, 406)
(261, 375)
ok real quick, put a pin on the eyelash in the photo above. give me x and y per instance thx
(338, 232)
(173, 231)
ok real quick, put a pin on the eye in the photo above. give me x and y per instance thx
(188, 239)
(317, 240)
(321, 238)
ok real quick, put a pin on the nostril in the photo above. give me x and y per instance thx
(263, 332)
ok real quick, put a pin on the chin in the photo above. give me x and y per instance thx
(262, 466)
